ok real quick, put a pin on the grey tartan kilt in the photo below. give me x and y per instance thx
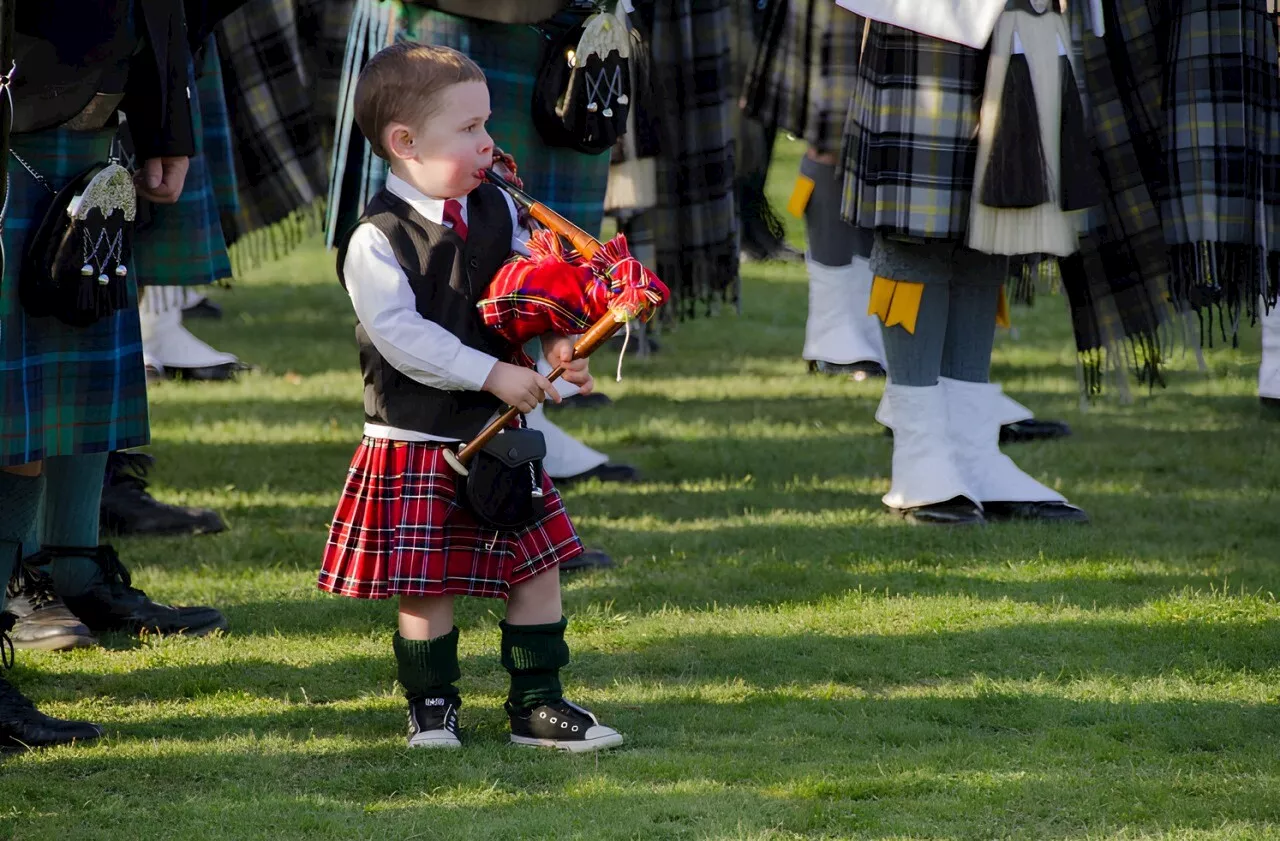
(804, 72)
(911, 136)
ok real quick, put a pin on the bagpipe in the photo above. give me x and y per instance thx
(587, 288)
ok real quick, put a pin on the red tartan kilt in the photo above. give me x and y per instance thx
(399, 532)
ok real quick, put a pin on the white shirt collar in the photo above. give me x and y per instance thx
(431, 209)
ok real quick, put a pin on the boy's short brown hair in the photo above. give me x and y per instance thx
(402, 83)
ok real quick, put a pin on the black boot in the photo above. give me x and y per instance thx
(111, 603)
(22, 726)
(43, 620)
(127, 507)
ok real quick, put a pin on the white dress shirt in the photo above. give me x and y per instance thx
(416, 346)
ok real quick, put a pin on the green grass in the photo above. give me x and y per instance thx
(786, 659)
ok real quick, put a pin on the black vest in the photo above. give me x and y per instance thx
(448, 278)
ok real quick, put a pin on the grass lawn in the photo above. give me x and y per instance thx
(785, 658)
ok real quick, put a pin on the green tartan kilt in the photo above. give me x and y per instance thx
(182, 244)
(64, 390)
(567, 181)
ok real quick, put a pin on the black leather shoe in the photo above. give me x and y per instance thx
(113, 604)
(1270, 407)
(1033, 430)
(127, 507)
(209, 373)
(605, 473)
(583, 401)
(22, 726)
(1055, 512)
(43, 621)
(958, 511)
(590, 559)
(203, 309)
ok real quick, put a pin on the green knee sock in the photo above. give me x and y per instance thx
(534, 655)
(72, 501)
(428, 668)
(19, 507)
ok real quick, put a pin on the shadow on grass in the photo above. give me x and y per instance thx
(1059, 652)
(989, 766)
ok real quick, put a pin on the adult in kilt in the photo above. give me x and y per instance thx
(800, 82)
(567, 181)
(928, 168)
(183, 246)
(70, 394)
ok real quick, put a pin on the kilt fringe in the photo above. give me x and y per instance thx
(279, 240)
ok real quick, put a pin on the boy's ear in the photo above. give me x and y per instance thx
(398, 140)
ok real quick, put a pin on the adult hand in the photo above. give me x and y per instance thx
(161, 179)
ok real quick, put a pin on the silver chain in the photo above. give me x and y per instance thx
(37, 176)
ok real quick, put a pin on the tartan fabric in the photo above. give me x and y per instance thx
(555, 291)
(64, 390)
(802, 78)
(182, 243)
(219, 156)
(567, 181)
(398, 532)
(280, 169)
(1117, 283)
(911, 137)
(1222, 123)
(693, 228)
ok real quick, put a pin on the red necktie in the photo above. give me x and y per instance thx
(453, 215)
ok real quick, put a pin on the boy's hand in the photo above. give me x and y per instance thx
(559, 352)
(519, 387)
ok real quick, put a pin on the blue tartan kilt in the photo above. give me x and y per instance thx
(64, 390)
(182, 244)
(567, 181)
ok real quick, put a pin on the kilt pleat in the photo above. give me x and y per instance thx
(802, 78)
(911, 136)
(397, 531)
(183, 244)
(64, 390)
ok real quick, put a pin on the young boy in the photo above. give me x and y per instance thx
(415, 268)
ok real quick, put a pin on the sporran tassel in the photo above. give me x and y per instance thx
(1017, 175)
(1081, 186)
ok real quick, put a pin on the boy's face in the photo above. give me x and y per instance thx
(446, 156)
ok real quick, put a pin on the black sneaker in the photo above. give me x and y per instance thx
(112, 604)
(22, 726)
(43, 621)
(127, 507)
(563, 726)
(433, 723)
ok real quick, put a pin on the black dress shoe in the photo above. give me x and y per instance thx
(589, 559)
(593, 400)
(127, 507)
(203, 309)
(43, 622)
(112, 604)
(1055, 512)
(958, 511)
(1033, 430)
(605, 473)
(209, 373)
(22, 726)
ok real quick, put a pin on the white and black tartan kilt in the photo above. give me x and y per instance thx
(911, 137)
(803, 75)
